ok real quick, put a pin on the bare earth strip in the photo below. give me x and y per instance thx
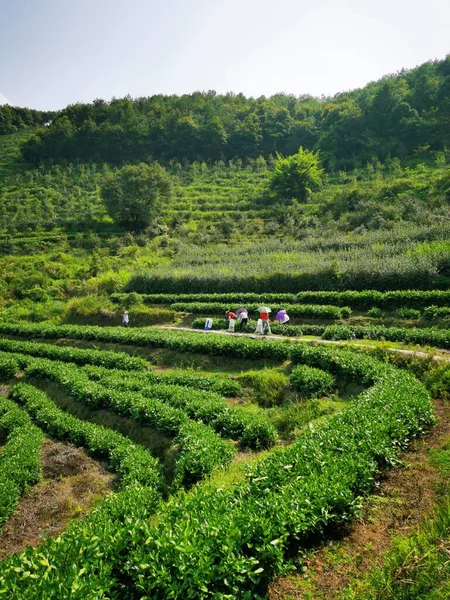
(72, 483)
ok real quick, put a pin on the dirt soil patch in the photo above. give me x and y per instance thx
(72, 483)
(404, 499)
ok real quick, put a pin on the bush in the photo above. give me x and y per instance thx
(268, 386)
(311, 382)
(408, 313)
(375, 312)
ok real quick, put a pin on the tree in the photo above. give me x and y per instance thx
(296, 176)
(133, 193)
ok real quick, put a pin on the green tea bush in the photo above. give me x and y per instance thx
(269, 386)
(433, 313)
(76, 355)
(375, 312)
(20, 463)
(408, 313)
(311, 382)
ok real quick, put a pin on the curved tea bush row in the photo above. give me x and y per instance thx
(230, 543)
(355, 299)
(104, 358)
(132, 462)
(206, 450)
(295, 310)
(20, 464)
(409, 335)
(212, 383)
(250, 430)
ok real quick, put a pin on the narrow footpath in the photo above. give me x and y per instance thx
(440, 354)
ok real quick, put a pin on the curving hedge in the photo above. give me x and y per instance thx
(294, 310)
(104, 358)
(360, 299)
(20, 463)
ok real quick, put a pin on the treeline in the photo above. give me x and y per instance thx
(397, 116)
(14, 118)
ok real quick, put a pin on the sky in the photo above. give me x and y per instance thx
(59, 52)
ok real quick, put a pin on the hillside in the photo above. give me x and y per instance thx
(146, 455)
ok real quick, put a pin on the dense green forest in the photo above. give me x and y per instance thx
(397, 116)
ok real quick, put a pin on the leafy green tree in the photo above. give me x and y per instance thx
(296, 176)
(133, 194)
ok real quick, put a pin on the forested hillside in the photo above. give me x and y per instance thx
(397, 116)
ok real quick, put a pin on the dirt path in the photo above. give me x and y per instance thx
(71, 483)
(404, 499)
(443, 355)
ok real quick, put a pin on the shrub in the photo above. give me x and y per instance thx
(375, 312)
(268, 386)
(408, 313)
(311, 382)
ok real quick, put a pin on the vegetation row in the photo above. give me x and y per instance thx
(355, 299)
(104, 358)
(296, 310)
(20, 463)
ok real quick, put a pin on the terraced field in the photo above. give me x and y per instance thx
(222, 474)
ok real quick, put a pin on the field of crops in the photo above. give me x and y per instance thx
(231, 493)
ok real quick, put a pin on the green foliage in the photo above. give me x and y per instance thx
(296, 176)
(154, 412)
(269, 386)
(437, 382)
(203, 406)
(20, 464)
(132, 462)
(119, 360)
(294, 492)
(311, 382)
(297, 310)
(133, 193)
(408, 313)
(434, 313)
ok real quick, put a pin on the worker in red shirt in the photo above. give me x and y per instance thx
(264, 316)
(231, 320)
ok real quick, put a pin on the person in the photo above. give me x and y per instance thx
(282, 317)
(231, 320)
(125, 319)
(264, 316)
(242, 316)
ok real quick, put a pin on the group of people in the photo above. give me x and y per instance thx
(241, 315)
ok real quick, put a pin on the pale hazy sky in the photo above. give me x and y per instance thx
(58, 52)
